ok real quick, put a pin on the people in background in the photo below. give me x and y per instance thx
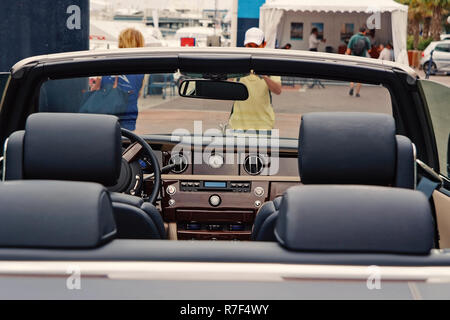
(287, 46)
(359, 45)
(131, 83)
(387, 53)
(314, 41)
(313, 46)
(374, 44)
(255, 113)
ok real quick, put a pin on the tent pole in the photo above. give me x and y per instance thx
(234, 13)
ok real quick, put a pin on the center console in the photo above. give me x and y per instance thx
(219, 209)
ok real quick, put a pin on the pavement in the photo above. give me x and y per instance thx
(157, 115)
(438, 78)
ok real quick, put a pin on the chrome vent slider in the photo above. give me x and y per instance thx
(179, 162)
(253, 164)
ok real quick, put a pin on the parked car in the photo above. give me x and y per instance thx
(441, 57)
(341, 197)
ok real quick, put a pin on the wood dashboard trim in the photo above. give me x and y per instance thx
(229, 178)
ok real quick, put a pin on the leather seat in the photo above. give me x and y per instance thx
(80, 147)
(43, 214)
(346, 148)
(344, 218)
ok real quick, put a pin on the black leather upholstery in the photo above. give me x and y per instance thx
(346, 148)
(405, 176)
(55, 214)
(134, 223)
(151, 223)
(265, 222)
(77, 147)
(355, 219)
(80, 147)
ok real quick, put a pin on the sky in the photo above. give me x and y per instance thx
(166, 4)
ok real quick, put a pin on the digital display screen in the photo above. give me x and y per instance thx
(215, 184)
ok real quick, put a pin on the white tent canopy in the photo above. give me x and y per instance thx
(394, 18)
(336, 5)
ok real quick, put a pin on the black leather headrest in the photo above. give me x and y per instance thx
(355, 219)
(347, 148)
(79, 147)
(54, 214)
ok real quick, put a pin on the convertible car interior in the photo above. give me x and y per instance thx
(381, 221)
(81, 147)
(343, 184)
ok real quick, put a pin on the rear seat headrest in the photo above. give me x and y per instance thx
(347, 148)
(79, 147)
(355, 219)
(55, 214)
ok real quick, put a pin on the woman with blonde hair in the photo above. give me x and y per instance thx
(130, 83)
(131, 38)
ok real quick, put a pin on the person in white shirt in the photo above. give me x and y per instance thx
(387, 53)
(313, 41)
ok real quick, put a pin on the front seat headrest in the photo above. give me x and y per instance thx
(347, 148)
(79, 147)
(355, 219)
(55, 214)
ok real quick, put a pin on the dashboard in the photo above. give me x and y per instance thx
(216, 196)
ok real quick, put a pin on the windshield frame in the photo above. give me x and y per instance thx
(407, 106)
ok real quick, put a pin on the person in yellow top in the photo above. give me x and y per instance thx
(255, 113)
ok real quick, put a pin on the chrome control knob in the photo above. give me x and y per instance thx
(215, 200)
(171, 190)
(259, 191)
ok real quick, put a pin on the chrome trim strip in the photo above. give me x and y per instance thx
(444, 178)
(430, 171)
(5, 147)
(415, 165)
(216, 271)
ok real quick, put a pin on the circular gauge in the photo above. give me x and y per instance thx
(215, 161)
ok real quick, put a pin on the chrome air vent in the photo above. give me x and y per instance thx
(180, 161)
(253, 164)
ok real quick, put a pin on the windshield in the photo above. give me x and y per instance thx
(150, 104)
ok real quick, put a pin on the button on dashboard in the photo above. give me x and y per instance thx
(215, 200)
(171, 190)
(259, 191)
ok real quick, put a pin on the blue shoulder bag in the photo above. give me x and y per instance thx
(108, 100)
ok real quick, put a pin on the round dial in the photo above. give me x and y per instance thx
(215, 161)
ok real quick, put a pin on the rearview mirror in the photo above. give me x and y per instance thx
(213, 89)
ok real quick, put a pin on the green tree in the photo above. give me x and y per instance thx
(430, 13)
(439, 8)
(417, 13)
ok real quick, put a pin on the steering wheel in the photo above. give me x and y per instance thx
(131, 178)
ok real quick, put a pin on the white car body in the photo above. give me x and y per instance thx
(441, 56)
